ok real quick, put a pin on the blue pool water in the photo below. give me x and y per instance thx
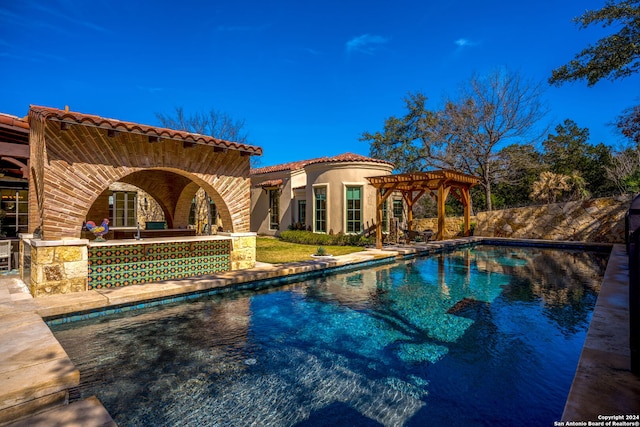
(479, 336)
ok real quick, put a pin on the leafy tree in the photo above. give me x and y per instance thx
(466, 133)
(568, 151)
(629, 124)
(549, 187)
(615, 56)
(518, 167)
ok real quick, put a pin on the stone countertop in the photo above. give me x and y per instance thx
(160, 240)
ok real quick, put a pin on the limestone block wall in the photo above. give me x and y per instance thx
(58, 267)
(243, 253)
(598, 220)
(595, 220)
(453, 225)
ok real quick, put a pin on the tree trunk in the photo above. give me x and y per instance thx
(487, 195)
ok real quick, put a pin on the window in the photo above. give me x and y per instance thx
(16, 206)
(320, 195)
(397, 210)
(123, 209)
(302, 212)
(354, 209)
(274, 209)
(199, 216)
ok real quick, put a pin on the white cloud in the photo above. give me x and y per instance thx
(462, 42)
(366, 43)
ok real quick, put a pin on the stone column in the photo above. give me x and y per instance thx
(243, 250)
(58, 266)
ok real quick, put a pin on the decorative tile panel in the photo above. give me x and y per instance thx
(123, 265)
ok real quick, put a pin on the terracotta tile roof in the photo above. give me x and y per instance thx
(342, 158)
(14, 130)
(48, 113)
(269, 183)
(13, 121)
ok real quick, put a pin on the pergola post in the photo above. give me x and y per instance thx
(379, 202)
(443, 192)
(443, 181)
(467, 210)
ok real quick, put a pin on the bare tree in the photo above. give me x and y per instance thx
(214, 123)
(624, 170)
(491, 111)
(218, 125)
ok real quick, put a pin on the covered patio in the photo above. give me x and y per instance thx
(74, 159)
(438, 184)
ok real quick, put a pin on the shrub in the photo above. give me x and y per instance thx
(317, 239)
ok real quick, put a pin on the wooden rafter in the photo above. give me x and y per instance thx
(437, 183)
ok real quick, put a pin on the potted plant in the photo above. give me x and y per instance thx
(321, 252)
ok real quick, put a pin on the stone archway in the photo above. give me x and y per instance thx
(75, 157)
(172, 190)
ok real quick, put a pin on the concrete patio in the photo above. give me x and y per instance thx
(36, 372)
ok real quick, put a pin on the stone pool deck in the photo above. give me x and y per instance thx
(36, 373)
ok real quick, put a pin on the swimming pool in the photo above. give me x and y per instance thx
(484, 335)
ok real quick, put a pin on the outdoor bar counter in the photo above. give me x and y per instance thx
(125, 262)
(75, 265)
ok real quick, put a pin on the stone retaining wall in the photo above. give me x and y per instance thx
(595, 220)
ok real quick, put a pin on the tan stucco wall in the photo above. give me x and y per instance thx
(260, 203)
(335, 176)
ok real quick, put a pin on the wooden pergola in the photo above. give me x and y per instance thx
(438, 184)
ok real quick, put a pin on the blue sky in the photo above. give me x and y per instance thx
(307, 77)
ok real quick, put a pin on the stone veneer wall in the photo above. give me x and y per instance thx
(243, 253)
(58, 267)
(598, 220)
(452, 225)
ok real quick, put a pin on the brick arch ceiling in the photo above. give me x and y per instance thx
(174, 191)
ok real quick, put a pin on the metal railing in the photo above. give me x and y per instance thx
(632, 237)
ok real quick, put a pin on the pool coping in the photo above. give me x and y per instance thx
(603, 365)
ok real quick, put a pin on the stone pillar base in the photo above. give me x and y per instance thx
(58, 266)
(243, 251)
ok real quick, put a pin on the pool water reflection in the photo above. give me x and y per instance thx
(479, 336)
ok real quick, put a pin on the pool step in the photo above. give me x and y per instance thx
(35, 371)
(84, 413)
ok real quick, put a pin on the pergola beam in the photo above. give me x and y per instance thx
(438, 183)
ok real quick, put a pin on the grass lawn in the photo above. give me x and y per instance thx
(275, 251)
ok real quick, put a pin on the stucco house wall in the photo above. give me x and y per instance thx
(297, 181)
